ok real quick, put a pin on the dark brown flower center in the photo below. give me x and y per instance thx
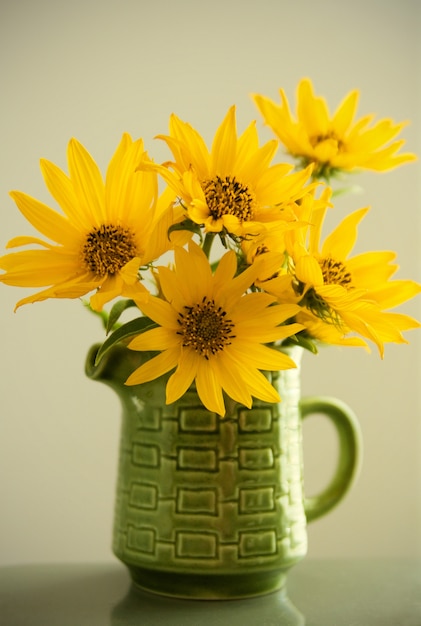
(227, 196)
(335, 273)
(205, 328)
(108, 248)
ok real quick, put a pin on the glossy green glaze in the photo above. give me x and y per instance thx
(211, 507)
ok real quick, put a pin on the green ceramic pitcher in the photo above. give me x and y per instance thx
(211, 507)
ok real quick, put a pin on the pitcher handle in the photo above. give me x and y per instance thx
(350, 451)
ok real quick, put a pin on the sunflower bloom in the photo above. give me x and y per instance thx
(350, 294)
(107, 231)
(231, 188)
(333, 142)
(212, 332)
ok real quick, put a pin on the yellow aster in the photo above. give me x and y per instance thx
(212, 332)
(352, 294)
(232, 187)
(333, 142)
(277, 240)
(107, 231)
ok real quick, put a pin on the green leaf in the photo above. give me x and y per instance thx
(124, 332)
(116, 311)
(186, 225)
(300, 339)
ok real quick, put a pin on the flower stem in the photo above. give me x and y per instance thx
(207, 244)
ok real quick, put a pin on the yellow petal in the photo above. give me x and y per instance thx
(156, 367)
(155, 339)
(182, 378)
(258, 385)
(224, 146)
(256, 163)
(191, 149)
(159, 311)
(209, 388)
(72, 288)
(230, 381)
(345, 113)
(16, 242)
(45, 220)
(262, 357)
(395, 293)
(38, 268)
(326, 150)
(341, 241)
(110, 289)
(61, 189)
(226, 269)
(312, 111)
(195, 270)
(247, 143)
(129, 194)
(308, 270)
(87, 182)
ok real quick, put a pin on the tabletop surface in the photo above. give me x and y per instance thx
(381, 592)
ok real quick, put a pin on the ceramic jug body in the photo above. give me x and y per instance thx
(210, 506)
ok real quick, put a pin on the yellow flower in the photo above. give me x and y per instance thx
(108, 231)
(275, 243)
(232, 187)
(212, 332)
(333, 142)
(350, 294)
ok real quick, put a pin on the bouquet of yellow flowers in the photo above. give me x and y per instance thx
(216, 320)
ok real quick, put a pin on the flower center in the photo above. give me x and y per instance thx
(226, 196)
(338, 144)
(315, 140)
(108, 248)
(335, 273)
(205, 328)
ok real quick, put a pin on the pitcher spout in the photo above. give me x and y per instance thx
(115, 366)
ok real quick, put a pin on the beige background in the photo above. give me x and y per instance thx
(94, 69)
